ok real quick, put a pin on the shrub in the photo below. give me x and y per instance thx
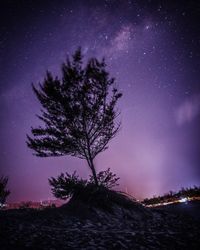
(102, 196)
(106, 179)
(66, 185)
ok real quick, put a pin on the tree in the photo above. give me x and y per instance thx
(78, 111)
(3, 191)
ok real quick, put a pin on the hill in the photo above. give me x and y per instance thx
(80, 226)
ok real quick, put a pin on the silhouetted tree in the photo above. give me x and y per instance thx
(3, 191)
(78, 111)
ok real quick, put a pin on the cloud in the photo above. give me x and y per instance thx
(188, 110)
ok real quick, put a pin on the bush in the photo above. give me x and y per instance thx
(66, 185)
(106, 179)
(71, 186)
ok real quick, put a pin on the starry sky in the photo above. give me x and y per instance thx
(152, 48)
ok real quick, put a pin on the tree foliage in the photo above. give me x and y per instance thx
(78, 111)
(3, 191)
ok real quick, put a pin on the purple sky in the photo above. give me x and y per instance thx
(151, 47)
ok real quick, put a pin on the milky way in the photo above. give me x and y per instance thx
(150, 47)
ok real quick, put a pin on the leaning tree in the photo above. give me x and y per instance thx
(79, 111)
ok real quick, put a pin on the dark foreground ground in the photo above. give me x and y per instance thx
(80, 227)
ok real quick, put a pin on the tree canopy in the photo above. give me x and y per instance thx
(78, 111)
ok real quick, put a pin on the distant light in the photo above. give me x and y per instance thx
(2, 205)
(183, 200)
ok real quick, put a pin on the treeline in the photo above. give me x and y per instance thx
(172, 196)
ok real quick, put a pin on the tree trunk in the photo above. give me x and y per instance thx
(91, 165)
(90, 160)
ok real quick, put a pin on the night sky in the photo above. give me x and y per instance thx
(152, 48)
